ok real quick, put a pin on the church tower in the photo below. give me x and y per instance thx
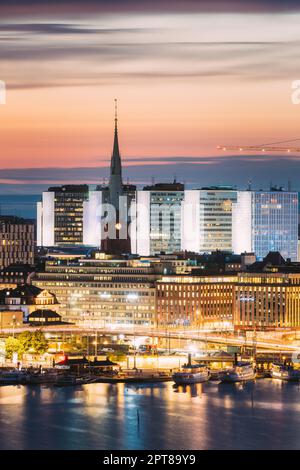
(115, 180)
(120, 243)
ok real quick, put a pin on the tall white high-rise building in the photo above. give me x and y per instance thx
(207, 219)
(264, 221)
(156, 224)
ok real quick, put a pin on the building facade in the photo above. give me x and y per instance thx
(267, 301)
(17, 241)
(266, 221)
(195, 301)
(157, 225)
(207, 219)
(104, 291)
(60, 215)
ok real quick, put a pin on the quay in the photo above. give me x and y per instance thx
(220, 338)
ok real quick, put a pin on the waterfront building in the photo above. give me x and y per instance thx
(60, 215)
(27, 298)
(266, 221)
(158, 215)
(195, 301)
(207, 219)
(16, 241)
(267, 301)
(103, 291)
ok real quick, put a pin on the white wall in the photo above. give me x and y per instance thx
(45, 220)
(140, 229)
(39, 223)
(190, 221)
(92, 219)
(242, 223)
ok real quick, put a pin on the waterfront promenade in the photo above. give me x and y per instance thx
(221, 338)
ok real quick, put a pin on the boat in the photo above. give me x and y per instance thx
(41, 378)
(65, 380)
(240, 372)
(216, 374)
(284, 372)
(191, 374)
(13, 377)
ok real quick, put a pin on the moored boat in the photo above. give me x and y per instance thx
(191, 374)
(240, 372)
(13, 377)
(65, 380)
(284, 372)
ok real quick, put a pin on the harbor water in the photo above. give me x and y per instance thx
(261, 415)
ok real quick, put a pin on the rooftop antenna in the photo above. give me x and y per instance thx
(249, 184)
(175, 178)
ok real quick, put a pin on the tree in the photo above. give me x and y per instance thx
(11, 346)
(39, 342)
(25, 342)
(34, 341)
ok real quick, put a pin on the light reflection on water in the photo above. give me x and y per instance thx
(261, 415)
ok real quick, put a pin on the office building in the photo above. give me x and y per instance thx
(103, 291)
(16, 241)
(207, 219)
(60, 215)
(157, 225)
(267, 301)
(266, 221)
(195, 301)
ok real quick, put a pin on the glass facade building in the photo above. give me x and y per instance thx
(266, 221)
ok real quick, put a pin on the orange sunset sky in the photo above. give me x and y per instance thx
(188, 76)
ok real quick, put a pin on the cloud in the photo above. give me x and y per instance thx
(194, 171)
(63, 28)
(10, 7)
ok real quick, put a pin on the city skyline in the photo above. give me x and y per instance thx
(188, 77)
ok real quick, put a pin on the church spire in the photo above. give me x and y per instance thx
(115, 181)
(116, 167)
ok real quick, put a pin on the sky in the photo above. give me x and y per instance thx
(188, 76)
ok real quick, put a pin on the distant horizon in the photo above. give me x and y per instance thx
(230, 170)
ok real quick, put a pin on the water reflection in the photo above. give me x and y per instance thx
(264, 414)
(194, 390)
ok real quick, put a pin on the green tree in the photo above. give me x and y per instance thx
(39, 342)
(11, 346)
(25, 342)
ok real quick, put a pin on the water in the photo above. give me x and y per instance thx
(264, 415)
(20, 205)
